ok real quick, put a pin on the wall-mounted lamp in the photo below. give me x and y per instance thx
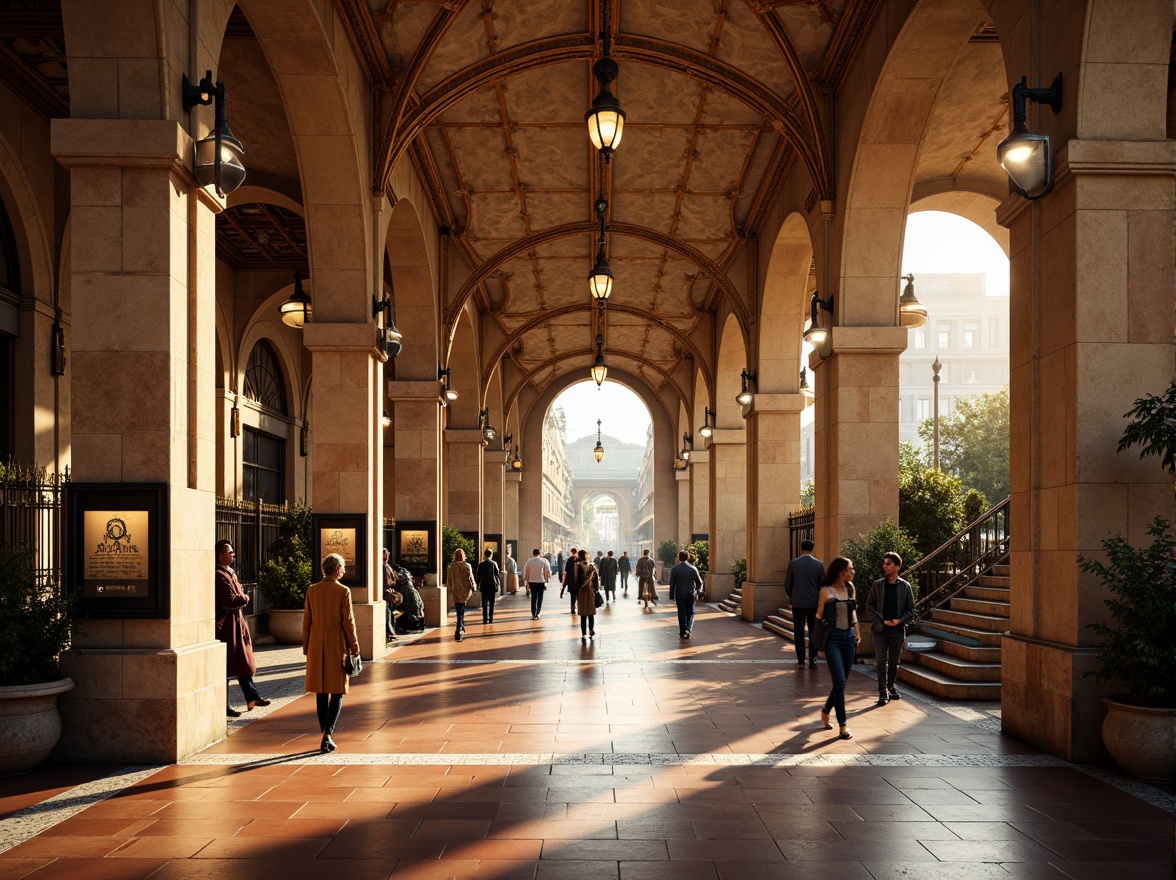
(1027, 157)
(600, 279)
(516, 463)
(296, 311)
(218, 156)
(488, 431)
(744, 397)
(805, 388)
(386, 420)
(235, 422)
(815, 335)
(599, 368)
(304, 440)
(911, 312)
(687, 447)
(57, 339)
(445, 377)
(390, 339)
(708, 427)
(605, 118)
(507, 439)
(598, 451)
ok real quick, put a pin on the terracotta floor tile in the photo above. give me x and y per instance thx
(893, 831)
(937, 871)
(193, 827)
(572, 869)
(263, 848)
(989, 851)
(160, 848)
(87, 825)
(657, 871)
(99, 869)
(273, 869)
(729, 850)
(365, 847)
(1161, 870)
(864, 851)
(297, 827)
(493, 850)
(612, 850)
(476, 828)
(65, 847)
(14, 869)
(731, 870)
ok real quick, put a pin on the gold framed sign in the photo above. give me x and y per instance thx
(345, 534)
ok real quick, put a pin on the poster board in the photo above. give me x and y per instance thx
(345, 534)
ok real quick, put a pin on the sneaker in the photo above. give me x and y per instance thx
(883, 699)
(894, 694)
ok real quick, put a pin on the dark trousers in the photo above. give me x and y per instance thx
(459, 623)
(839, 651)
(328, 707)
(537, 591)
(888, 652)
(801, 616)
(685, 615)
(248, 688)
(587, 624)
(625, 581)
(487, 608)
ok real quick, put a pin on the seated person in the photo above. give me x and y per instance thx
(408, 607)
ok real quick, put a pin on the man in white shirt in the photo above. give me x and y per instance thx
(536, 572)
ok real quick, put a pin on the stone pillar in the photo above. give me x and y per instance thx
(728, 509)
(683, 478)
(855, 433)
(416, 419)
(1091, 315)
(143, 381)
(493, 493)
(700, 480)
(347, 435)
(464, 450)
(773, 491)
(512, 480)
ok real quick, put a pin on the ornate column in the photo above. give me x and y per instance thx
(683, 478)
(142, 375)
(773, 490)
(464, 451)
(699, 493)
(728, 509)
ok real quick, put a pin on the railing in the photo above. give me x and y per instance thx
(959, 562)
(801, 527)
(30, 516)
(252, 526)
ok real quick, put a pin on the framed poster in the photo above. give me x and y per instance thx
(493, 543)
(698, 536)
(414, 545)
(345, 534)
(118, 549)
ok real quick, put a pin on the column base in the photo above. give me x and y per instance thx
(144, 706)
(371, 625)
(436, 605)
(763, 599)
(1047, 700)
(719, 586)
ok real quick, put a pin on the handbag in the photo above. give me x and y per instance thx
(597, 598)
(819, 636)
(352, 665)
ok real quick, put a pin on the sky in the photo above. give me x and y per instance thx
(935, 242)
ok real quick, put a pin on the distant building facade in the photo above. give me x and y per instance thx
(642, 530)
(609, 486)
(559, 516)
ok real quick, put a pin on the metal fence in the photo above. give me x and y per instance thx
(252, 526)
(801, 527)
(30, 516)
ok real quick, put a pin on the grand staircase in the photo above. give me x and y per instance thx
(953, 650)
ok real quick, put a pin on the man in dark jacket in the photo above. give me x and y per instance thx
(232, 629)
(569, 579)
(625, 568)
(608, 576)
(685, 582)
(892, 605)
(802, 583)
(488, 580)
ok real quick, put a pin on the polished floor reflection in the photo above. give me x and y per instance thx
(527, 752)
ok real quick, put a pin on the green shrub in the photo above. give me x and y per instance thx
(699, 554)
(739, 569)
(867, 551)
(975, 504)
(808, 492)
(284, 578)
(34, 622)
(930, 504)
(667, 553)
(452, 539)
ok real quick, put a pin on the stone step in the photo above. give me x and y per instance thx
(989, 580)
(733, 604)
(779, 626)
(961, 633)
(982, 654)
(995, 594)
(983, 607)
(957, 668)
(1000, 570)
(989, 623)
(944, 686)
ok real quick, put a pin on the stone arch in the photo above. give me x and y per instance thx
(783, 309)
(980, 208)
(463, 361)
(413, 291)
(732, 360)
(33, 250)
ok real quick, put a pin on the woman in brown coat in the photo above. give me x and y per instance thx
(328, 635)
(587, 583)
(460, 581)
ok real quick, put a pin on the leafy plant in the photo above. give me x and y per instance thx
(699, 554)
(739, 569)
(808, 492)
(975, 504)
(451, 539)
(1153, 426)
(867, 551)
(287, 574)
(974, 442)
(667, 553)
(35, 624)
(1136, 650)
(930, 503)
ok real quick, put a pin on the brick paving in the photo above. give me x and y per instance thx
(525, 752)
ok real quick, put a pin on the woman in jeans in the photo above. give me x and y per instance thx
(460, 581)
(587, 583)
(328, 634)
(837, 600)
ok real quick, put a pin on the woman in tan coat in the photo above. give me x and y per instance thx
(328, 634)
(460, 581)
(587, 583)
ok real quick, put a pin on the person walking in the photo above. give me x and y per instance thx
(587, 581)
(328, 636)
(232, 629)
(536, 573)
(685, 582)
(646, 586)
(569, 579)
(511, 581)
(460, 580)
(837, 604)
(802, 583)
(625, 567)
(891, 604)
(607, 569)
(489, 581)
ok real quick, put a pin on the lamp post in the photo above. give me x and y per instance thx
(935, 368)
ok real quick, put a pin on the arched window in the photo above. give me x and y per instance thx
(263, 455)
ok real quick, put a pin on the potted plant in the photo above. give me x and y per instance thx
(286, 576)
(34, 630)
(1136, 653)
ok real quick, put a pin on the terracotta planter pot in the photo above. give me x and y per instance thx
(286, 626)
(29, 724)
(1141, 740)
